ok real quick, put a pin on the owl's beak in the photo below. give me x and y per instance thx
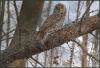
(61, 10)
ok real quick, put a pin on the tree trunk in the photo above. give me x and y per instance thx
(84, 44)
(28, 16)
(95, 49)
(84, 55)
(2, 9)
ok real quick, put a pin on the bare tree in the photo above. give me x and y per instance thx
(24, 44)
(2, 9)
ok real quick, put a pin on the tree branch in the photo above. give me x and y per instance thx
(37, 61)
(84, 50)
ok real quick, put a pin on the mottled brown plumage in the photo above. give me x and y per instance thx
(53, 22)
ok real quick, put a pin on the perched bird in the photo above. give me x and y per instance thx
(53, 22)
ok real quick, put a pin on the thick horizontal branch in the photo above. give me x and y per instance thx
(73, 31)
(53, 40)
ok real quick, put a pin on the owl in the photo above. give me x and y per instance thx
(53, 22)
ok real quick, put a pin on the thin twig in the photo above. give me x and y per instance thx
(86, 10)
(16, 9)
(37, 61)
(82, 18)
(85, 50)
(78, 12)
(94, 11)
(31, 62)
(7, 33)
(72, 53)
(6, 38)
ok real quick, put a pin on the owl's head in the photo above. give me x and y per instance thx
(60, 8)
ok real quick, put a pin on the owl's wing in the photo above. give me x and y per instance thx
(50, 21)
(49, 25)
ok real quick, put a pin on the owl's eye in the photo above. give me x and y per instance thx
(57, 8)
